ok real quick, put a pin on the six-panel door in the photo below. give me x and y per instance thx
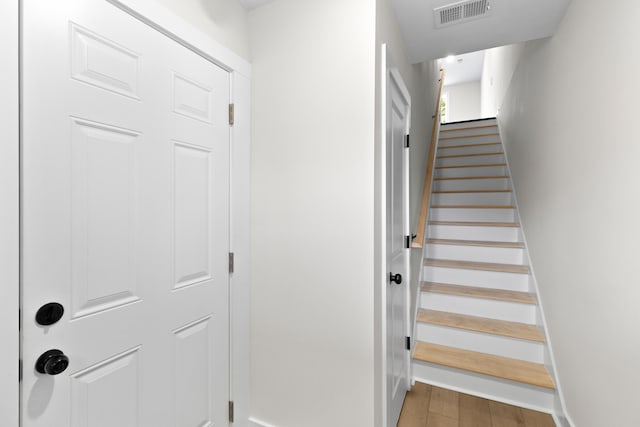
(125, 203)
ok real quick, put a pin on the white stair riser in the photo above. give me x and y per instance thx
(476, 253)
(471, 214)
(457, 140)
(471, 184)
(504, 198)
(469, 149)
(472, 171)
(513, 393)
(501, 310)
(470, 160)
(471, 124)
(494, 234)
(484, 279)
(514, 348)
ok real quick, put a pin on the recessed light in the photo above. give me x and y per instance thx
(450, 59)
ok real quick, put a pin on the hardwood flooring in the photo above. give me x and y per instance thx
(430, 406)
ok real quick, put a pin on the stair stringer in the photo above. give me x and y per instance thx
(559, 412)
(524, 395)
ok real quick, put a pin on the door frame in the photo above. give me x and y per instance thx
(166, 22)
(388, 69)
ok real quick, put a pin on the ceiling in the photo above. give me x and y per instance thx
(510, 21)
(463, 68)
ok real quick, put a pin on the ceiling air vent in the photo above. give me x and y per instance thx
(460, 12)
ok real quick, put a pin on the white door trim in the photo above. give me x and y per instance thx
(9, 212)
(160, 18)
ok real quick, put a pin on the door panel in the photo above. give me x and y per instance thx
(397, 252)
(125, 221)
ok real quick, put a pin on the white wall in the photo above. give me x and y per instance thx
(312, 213)
(463, 101)
(9, 214)
(570, 124)
(223, 20)
(497, 70)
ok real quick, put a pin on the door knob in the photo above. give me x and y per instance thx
(52, 362)
(395, 278)
(49, 314)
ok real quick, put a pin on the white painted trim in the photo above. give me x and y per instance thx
(559, 407)
(9, 213)
(257, 423)
(240, 245)
(380, 253)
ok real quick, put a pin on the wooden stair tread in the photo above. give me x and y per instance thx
(523, 331)
(467, 128)
(472, 191)
(453, 156)
(482, 144)
(479, 135)
(483, 363)
(477, 292)
(473, 207)
(475, 265)
(476, 223)
(483, 243)
(482, 165)
(453, 178)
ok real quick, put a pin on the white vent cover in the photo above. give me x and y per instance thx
(463, 11)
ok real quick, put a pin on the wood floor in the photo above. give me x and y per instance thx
(429, 406)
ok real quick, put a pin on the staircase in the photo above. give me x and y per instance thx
(478, 326)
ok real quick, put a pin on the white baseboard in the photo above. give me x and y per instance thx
(257, 423)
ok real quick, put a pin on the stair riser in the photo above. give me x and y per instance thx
(473, 124)
(484, 279)
(471, 214)
(494, 234)
(501, 310)
(473, 171)
(514, 348)
(472, 199)
(471, 184)
(476, 253)
(468, 150)
(473, 160)
(457, 140)
(506, 391)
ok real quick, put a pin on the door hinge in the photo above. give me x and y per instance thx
(232, 113)
(408, 343)
(407, 242)
(231, 262)
(231, 415)
(19, 370)
(406, 141)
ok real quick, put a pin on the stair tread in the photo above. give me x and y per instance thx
(476, 265)
(473, 207)
(476, 223)
(479, 135)
(482, 144)
(477, 292)
(453, 156)
(483, 165)
(523, 331)
(453, 178)
(483, 243)
(483, 363)
(472, 191)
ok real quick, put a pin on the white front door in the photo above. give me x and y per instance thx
(397, 116)
(125, 223)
